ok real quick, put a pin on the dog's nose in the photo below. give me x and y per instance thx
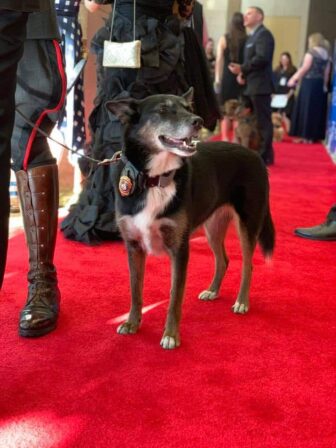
(197, 122)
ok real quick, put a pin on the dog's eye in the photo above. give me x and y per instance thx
(163, 109)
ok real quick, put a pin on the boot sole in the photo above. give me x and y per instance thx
(37, 332)
(316, 238)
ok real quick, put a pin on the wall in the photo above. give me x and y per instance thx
(322, 18)
(216, 14)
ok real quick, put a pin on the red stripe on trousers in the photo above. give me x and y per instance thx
(48, 111)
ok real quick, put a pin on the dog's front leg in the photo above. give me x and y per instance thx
(136, 263)
(179, 262)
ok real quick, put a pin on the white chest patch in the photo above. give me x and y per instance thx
(144, 227)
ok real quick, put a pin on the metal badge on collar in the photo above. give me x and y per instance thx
(125, 186)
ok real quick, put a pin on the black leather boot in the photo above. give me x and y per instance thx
(38, 192)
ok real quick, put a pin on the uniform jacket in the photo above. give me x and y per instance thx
(25, 5)
(257, 66)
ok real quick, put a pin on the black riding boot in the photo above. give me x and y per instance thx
(38, 192)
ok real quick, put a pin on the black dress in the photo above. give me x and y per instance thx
(310, 111)
(281, 78)
(168, 58)
(229, 88)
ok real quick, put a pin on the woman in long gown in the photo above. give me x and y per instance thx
(310, 111)
(230, 48)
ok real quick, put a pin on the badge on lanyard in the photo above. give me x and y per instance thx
(283, 81)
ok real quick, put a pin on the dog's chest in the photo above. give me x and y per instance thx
(145, 227)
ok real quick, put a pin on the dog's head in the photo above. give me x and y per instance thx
(159, 122)
(244, 108)
(230, 107)
(277, 120)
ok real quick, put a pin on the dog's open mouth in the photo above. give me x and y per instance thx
(186, 145)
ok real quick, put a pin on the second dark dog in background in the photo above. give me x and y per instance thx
(245, 126)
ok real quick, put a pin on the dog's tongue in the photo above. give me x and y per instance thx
(183, 143)
(176, 141)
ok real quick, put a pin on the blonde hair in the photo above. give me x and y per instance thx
(316, 40)
(327, 46)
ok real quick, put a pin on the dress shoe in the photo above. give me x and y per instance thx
(322, 232)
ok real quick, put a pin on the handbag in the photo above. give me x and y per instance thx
(279, 101)
(122, 54)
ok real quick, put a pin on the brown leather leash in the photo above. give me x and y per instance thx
(114, 159)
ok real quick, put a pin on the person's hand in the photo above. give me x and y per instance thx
(240, 79)
(235, 68)
(91, 6)
(292, 82)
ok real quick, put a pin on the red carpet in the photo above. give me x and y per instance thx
(264, 380)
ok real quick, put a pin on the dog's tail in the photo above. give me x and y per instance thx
(267, 235)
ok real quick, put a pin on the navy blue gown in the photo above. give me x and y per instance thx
(310, 111)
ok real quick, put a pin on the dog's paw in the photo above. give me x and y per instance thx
(240, 308)
(208, 295)
(127, 328)
(169, 342)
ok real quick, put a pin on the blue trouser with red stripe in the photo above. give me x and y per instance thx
(40, 94)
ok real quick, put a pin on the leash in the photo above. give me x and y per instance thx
(115, 158)
(78, 69)
(130, 179)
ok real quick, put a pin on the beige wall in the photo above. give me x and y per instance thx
(216, 14)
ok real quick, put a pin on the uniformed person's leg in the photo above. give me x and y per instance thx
(12, 35)
(39, 96)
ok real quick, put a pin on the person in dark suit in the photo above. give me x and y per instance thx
(256, 73)
(29, 37)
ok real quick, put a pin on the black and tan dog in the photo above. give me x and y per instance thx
(166, 186)
(247, 131)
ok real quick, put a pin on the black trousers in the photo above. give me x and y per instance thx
(263, 112)
(332, 214)
(12, 36)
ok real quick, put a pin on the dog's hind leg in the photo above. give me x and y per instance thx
(241, 305)
(136, 262)
(215, 229)
(179, 261)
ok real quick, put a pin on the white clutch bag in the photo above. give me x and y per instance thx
(279, 101)
(122, 54)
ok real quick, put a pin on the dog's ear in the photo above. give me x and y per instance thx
(123, 109)
(189, 95)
